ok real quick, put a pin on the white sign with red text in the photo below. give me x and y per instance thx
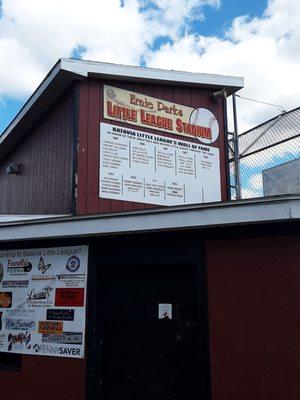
(151, 112)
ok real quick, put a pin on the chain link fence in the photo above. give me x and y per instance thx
(269, 158)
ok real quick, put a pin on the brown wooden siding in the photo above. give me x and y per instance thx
(90, 116)
(254, 302)
(43, 185)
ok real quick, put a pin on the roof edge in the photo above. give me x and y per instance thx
(86, 68)
(234, 213)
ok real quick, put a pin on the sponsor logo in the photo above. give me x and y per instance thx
(50, 327)
(21, 267)
(73, 264)
(20, 313)
(2, 342)
(20, 341)
(60, 315)
(38, 298)
(1, 272)
(72, 280)
(43, 278)
(15, 284)
(20, 325)
(5, 299)
(63, 338)
(42, 294)
(52, 350)
(69, 297)
(42, 266)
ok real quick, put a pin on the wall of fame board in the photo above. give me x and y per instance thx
(143, 167)
(42, 301)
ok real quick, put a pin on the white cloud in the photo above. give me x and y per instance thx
(250, 194)
(34, 34)
(171, 15)
(255, 182)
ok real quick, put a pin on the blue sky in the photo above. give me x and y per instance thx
(215, 23)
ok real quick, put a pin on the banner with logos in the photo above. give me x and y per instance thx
(142, 167)
(42, 301)
(151, 112)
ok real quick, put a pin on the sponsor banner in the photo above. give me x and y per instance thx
(151, 112)
(19, 324)
(63, 338)
(56, 314)
(50, 327)
(35, 287)
(140, 167)
(69, 297)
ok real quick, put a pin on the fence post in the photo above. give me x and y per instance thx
(236, 159)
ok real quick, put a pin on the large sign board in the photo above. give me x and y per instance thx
(42, 301)
(150, 112)
(142, 167)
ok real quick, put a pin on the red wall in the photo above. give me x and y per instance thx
(90, 116)
(254, 303)
(45, 378)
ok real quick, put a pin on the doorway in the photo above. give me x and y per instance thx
(151, 333)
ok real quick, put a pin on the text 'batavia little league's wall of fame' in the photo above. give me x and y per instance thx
(148, 168)
(42, 301)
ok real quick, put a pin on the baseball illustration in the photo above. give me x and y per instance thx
(204, 117)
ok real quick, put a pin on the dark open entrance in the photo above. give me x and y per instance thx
(139, 354)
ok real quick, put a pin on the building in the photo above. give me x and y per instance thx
(282, 179)
(145, 282)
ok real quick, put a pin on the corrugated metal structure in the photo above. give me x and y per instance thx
(282, 179)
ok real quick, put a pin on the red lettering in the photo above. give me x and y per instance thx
(122, 113)
(157, 121)
(193, 130)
